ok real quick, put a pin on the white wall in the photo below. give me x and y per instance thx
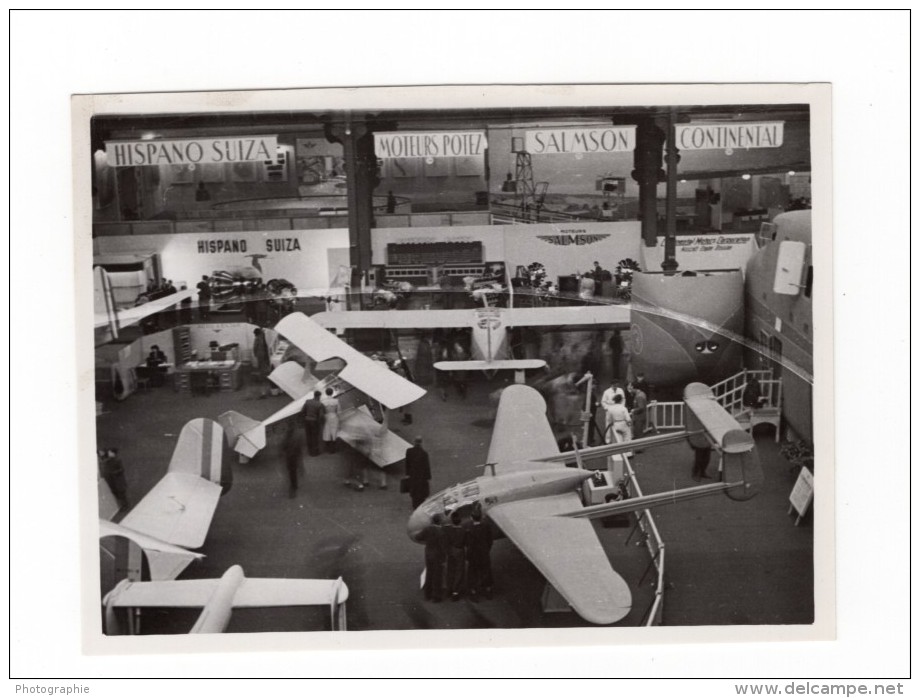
(186, 257)
(703, 251)
(567, 248)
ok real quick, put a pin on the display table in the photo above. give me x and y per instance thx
(206, 375)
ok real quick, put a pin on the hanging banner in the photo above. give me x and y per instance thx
(452, 144)
(765, 134)
(615, 139)
(191, 152)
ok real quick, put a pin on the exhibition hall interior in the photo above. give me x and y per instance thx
(452, 367)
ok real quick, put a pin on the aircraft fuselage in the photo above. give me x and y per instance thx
(487, 491)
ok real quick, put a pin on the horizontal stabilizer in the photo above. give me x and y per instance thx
(219, 597)
(165, 561)
(234, 424)
(244, 434)
(497, 365)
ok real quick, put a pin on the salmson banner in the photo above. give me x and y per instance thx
(613, 139)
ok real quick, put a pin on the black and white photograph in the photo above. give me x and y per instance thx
(501, 364)
(550, 359)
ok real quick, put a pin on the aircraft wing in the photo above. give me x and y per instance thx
(521, 430)
(293, 379)
(600, 314)
(128, 316)
(371, 378)
(394, 319)
(568, 553)
(177, 510)
(496, 365)
(362, 432)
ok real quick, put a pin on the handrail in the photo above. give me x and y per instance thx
(655, 546)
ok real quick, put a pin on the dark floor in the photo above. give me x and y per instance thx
(727, 562)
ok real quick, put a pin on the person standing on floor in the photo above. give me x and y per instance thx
(312, 415)
(435, 548)
(357, 463)
(643, 385)
(113, 472)
(608, 400)
(639, 410)
(293, 455)
(478, 556)
(418, 470)
(752, 396)
(330, 420)
(204, 299)
(702, 452)
(620, 420)
(455, 536)
(261, 361)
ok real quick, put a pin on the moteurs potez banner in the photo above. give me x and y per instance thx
(192, 151)
(431, 144)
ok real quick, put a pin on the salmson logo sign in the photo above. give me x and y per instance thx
(573, 237)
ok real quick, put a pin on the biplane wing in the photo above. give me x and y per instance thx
(368, 376)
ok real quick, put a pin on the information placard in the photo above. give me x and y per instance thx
(802, 494)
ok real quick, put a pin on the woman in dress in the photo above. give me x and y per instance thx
(331, 422)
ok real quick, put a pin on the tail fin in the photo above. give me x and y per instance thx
(200, 451)
(245, 435)
(215, 616)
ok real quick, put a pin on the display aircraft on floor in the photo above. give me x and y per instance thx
(531, 496)
(490, 342)
(176, 514)
(219, 597)
(359, 386)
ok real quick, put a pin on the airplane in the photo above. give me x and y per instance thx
(532, 497)
(176, 514)
(490, 326)
(778, 312)
(218, 598)
(358, 385)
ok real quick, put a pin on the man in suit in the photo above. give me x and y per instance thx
(418, 470)
(312, 415)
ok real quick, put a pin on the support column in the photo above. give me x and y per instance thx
(357, 140)
(669, 264)
(648, 173)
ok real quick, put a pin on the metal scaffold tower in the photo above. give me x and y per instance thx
(531, 194)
